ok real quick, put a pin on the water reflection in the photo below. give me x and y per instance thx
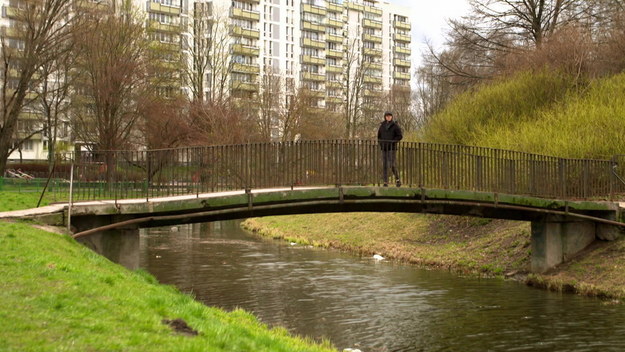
(357, 302)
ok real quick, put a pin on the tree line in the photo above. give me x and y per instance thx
(498, 38)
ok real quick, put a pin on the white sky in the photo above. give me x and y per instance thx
(429, 21)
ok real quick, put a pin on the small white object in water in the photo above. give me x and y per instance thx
(158, 256)
(378, 257)
(293, 244)
(174, 229)
(351, 350)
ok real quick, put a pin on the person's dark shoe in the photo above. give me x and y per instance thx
(398, 183)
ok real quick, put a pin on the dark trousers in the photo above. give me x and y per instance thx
(388, 161)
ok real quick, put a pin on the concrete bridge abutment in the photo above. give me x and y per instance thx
(556, 239)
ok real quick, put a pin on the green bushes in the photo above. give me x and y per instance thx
(545, 112)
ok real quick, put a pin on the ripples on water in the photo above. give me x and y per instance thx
(374, 306)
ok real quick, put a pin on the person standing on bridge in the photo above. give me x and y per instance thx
(389, 134)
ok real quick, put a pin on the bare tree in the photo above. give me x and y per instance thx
(42, 30)
(53, 100)
(210, 55)
(270, 103)
(111, 68)
(353, 87)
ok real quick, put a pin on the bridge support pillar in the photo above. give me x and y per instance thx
(555, 240)
(120, 246)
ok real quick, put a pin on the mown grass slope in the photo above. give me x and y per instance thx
(60, 296)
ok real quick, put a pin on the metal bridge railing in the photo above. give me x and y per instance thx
(194, 170)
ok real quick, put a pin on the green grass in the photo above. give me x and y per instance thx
(59, 296)
(458, 243)
(539, 112)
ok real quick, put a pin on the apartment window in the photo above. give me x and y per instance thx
(314, 18)
(310, 52)
(175, 3)
(310, 68)
(311, 35)
(243, 5)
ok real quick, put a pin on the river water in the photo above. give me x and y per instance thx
(373, 305)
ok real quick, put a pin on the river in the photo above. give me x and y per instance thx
(359, 302)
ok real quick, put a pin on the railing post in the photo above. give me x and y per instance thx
(478, 172)
(562, 176)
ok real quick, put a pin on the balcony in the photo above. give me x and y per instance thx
(402, 25)
(334, 23)
(353, 6)
(369, 23)
(334, 53)
(334, 69)
(10, 32)
(334, 100)
(245, 50)
(401, 75)
(334, 7)
(315, 27)
(373, 52)
(314, 60)
(373, 10)
(166, 46)
(374, 66)
(246, 86)
(244, 14)
(401, 38)
(314, 9)
(333, 84)
(372, 38)
(318, 93)
(334, 38)
(402, 63)
(312, 43)
(90, 5)
(164, 27)
(310, 76)
(245, 32)
(10, 11)
(171, 10)
(402, 50)
(373, 80)
(371, 93)
(246, 68)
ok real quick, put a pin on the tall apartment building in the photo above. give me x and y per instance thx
(316, 44)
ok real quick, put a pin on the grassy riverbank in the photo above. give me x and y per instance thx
(461, 244)
(59, 296)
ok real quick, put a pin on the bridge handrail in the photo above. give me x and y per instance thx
(201, 169)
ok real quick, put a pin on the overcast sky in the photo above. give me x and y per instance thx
(428, 19)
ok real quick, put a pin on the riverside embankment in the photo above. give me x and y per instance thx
(462, 244)
(57, 295)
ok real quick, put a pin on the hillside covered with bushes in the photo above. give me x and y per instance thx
(546, 112)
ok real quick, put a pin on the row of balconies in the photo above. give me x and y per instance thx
(244, 14)
(164, 27)
(401, 37)
(162, 8)
(320, 10)
(317, 10)
(402, 25)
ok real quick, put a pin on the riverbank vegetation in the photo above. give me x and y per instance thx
(58, 295)
(464, 245)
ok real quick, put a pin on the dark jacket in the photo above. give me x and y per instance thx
(389, 134)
